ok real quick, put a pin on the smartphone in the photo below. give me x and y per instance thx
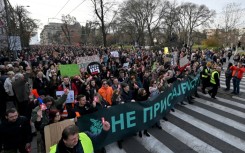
(103, 120)
(96, 99)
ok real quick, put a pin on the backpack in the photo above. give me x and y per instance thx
(228, 73)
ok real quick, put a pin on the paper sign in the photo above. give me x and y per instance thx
(183, 61)
(70, 96)
(83, 62)
(115, 54)
(69, 70)
(166, 50)
(125, 65)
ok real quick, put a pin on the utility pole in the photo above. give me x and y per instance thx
(7, 27)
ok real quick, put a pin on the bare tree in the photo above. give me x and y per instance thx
(133, 18)
(101, 9)
(154, 13)
(192, 16)
(67, 21)
(171, 20)
(231, 19)
(25, 25)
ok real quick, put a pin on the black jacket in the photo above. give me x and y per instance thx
(15, 134)
(126, 97)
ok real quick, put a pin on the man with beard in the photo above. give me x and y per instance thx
(15, 133)
(74, 142)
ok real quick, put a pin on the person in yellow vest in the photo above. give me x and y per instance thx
(206, 73)
(74, 142)
(215, 82)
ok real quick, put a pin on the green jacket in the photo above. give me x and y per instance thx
(56, 105)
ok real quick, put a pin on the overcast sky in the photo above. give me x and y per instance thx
(45, 10)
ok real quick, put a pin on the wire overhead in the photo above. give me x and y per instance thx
(77, 6)
(62, 7)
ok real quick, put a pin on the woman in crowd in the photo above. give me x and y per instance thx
(116, 97)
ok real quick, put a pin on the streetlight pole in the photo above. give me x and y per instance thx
(7, 27)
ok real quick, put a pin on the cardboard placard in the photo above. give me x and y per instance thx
(167, 59)
(83, 62)
(53, 132)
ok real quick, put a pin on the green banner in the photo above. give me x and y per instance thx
(127, 119)
(69, 70)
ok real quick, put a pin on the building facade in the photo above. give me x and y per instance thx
(58, 33)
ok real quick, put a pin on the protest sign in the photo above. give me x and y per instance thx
(115, 54)
(129, 118)
(94, 68)
(84, 61)
(53, 132)
(166, 50)
(167, 59)
(70, 96)
(126, 65)
(69, 70)
(183, 61)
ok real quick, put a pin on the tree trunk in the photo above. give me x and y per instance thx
(150, 35)
(103, 34)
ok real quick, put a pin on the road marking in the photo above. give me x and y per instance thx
(153, 145)
(217, 117)
(238, 98)
(112, 148)
(222, 135)
(230, 102)
(188, 139)
(223, 80)
(224, 86)
(222, 108)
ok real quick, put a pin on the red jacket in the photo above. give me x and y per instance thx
(72, 87)
(239, 71)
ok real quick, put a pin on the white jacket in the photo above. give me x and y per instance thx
(8, 87)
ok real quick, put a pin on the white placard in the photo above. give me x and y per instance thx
(183, 61)
(70, 96)
(114, 54)
(84, 61)
(125, 65)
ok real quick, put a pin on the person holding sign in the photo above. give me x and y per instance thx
(67, 84)
(42, 115)
(74, 142)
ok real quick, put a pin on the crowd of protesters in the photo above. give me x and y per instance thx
(148, 74)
